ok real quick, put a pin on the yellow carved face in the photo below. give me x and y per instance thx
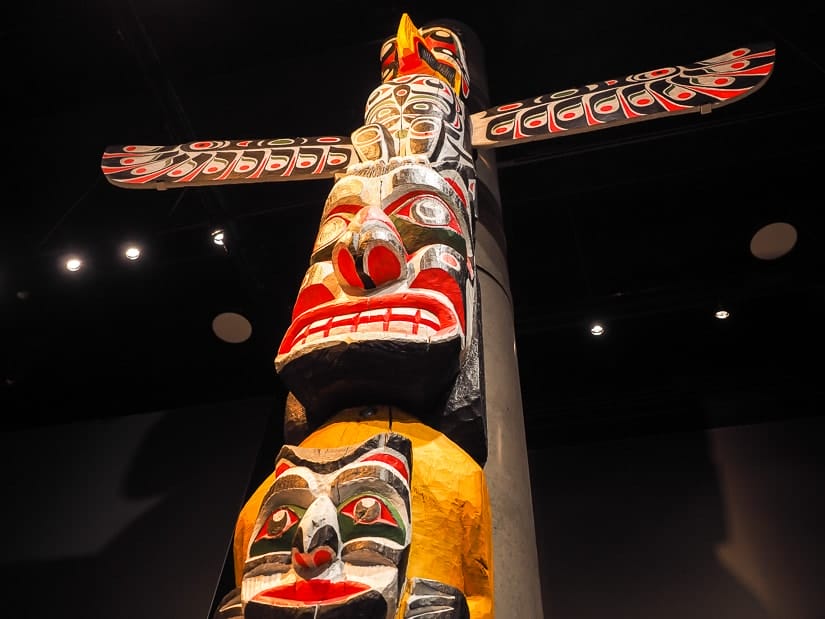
(449, 529)
(332, 533)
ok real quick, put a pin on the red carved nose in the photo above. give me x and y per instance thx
(322, 548)
(316, 558)
(370, 253)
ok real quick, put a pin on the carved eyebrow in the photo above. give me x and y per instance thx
(289, 482)
(346, 207)
(372, 475)
(289, 485)
(404, 198)
(287, 493)
(387, 458)
(332, 460)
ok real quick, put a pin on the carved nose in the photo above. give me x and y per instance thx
(370, 253)
(322, 548)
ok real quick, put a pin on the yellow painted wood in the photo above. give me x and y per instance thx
(451, 521)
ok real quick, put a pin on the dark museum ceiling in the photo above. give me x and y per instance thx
(646, 226)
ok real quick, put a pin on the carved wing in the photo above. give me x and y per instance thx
(212, 162)
(679, 89)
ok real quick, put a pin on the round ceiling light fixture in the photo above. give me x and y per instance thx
(232, 327)
(773, 240)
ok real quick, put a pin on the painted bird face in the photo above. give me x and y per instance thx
(387, 304)
(332, 535)
(436, 51)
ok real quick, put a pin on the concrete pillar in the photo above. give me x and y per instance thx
(517, 585)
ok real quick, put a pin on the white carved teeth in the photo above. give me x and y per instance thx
(252, 586)
(401, 321)
(338, 324)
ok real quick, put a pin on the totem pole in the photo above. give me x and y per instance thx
(377, 506)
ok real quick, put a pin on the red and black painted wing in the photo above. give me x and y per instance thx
(212, 162)
(679, 89)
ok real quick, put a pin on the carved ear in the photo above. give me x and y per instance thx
(230, 606)
(464, 417)
(434, 600)
(373, 143)
(296, 427)
(402, 445)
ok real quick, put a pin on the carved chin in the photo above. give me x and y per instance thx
(368, 604)
(415, 376)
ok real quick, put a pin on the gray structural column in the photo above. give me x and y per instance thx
(517, 585)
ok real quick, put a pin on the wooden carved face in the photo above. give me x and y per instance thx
(332, 535)
(386, 306)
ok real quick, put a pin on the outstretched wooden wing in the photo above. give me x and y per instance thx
(679, 89)
(212, 162)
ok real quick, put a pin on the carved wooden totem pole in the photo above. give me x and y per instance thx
(378, 506)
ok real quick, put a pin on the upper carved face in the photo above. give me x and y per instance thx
(387, 303)
(332, 533)
(386, 308)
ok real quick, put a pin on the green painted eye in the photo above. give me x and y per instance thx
(369, 515)
(277, 532)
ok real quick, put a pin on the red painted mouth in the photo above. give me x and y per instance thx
(313, 592)
(415, 314)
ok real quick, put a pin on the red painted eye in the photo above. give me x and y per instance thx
(278, 524)
(369, 510)
(430, 211)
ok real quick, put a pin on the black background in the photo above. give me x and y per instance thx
(646, 227)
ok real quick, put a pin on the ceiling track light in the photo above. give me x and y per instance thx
(73, 263)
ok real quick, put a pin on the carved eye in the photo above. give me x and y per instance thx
(278, 532)
(424, 127)
(367, 510)
(330, 230)
(385, 114)
(430, 212)
(278, 524)
(422, 107)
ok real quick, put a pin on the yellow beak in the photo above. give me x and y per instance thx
(416, 58)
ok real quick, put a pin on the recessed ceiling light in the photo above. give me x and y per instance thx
(218, 237)
(132, 252)
(73, 264)
(774, 240)
(722, 313)
(597, 329)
